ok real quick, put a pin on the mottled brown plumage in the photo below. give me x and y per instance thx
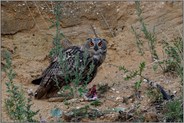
(73, 60)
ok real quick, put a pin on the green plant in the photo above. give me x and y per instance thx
(131, 114)
(96, 103)
(76, 74)
(29, 112)
(59, 34)
(154, 95)
(77, 114)
(134, 73)
(149, 36)
(16, 104)
(174, 61)
(102, 89)
(174, 111)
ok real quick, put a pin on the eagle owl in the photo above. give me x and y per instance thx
(74, 62)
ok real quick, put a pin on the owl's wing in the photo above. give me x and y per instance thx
(66, 44)
(53, 66)
(46, 81)
(56, 70)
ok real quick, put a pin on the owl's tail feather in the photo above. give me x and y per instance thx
(46, 92)
(37, 81)
(53, 92)
(40, 92)
(49, 88)
(44, 87)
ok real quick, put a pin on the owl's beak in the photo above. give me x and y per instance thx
(96, 48)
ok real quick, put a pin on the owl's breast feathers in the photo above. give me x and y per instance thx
(67, 65)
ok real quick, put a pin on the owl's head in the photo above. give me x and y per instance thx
(97, 47)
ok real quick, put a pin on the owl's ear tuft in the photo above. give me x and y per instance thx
(89, 39)
(104, 40)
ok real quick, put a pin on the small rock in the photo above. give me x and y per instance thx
(118, 98)
(174, 92)
(77, 107)
(30, 92)
(56, 99)
(42, 120)
(113, 89)
(102, 117)
(117, 109)
(73, 100)
(112, 96)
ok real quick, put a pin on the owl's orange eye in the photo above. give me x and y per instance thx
(100, 44)
(91, 44)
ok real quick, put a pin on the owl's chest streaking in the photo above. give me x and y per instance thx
(74, 62)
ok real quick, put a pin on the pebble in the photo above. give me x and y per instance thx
(124, 76)
(118, 98)
(30, 92)
(77, 107)
(73, 100)
(117, 109)
(102, 117)
(174, 92)
(113, 89)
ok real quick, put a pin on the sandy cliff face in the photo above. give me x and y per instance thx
(26, 35)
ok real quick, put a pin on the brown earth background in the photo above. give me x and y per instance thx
(25, 33)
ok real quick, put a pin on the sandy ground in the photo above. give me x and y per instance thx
(30, 57)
